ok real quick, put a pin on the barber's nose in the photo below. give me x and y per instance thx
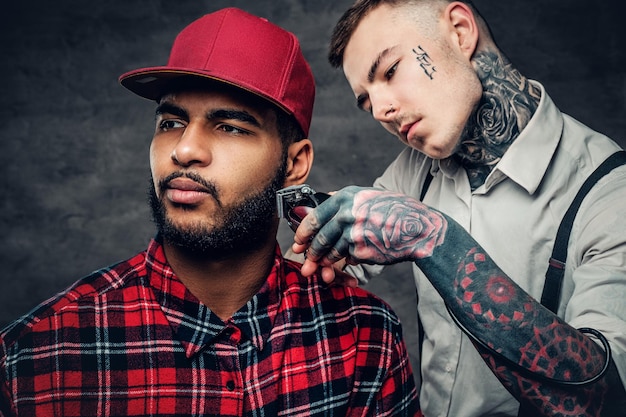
(193, 147)
(383, 111)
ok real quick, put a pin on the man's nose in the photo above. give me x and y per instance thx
(193, 147)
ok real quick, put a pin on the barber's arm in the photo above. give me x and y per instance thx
(527, 346)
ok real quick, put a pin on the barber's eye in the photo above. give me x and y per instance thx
(389, 73)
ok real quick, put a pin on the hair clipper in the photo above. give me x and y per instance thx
(296, 201)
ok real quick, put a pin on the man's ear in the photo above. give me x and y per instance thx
(464, 28)
(299, 162)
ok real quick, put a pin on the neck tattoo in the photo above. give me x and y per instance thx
(507, 104)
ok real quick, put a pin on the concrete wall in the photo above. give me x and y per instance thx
(73, 143)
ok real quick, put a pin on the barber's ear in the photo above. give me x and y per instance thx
(464, 28)
(299, 162)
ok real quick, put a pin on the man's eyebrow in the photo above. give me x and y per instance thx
(170, 108)
(372, 72)
(221, 114)
(232, 114)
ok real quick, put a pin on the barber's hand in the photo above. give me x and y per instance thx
(367, 225)
(339, 277)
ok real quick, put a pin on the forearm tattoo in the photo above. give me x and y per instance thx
(507, 104)
(499, 313)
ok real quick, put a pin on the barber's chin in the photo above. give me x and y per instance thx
(431, 152)
(440, 155)
(435, 151)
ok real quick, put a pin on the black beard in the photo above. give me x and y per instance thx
(244, 227)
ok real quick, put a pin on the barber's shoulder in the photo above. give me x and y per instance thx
(406, 172)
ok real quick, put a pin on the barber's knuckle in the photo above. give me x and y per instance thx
(334, 254)
(322, 240)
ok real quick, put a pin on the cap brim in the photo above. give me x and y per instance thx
(152, 83)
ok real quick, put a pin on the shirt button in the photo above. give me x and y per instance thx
(230, 385)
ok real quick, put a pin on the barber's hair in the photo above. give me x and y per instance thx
(348, 23)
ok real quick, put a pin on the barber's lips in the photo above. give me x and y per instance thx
(408, 130)
(185, 191)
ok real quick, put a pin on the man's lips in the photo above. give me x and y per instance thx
(185, 191)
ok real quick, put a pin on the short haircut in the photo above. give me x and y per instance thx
(349, 21)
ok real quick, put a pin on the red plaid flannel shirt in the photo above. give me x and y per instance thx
(131, 340)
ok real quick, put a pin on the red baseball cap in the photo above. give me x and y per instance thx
(240, 49)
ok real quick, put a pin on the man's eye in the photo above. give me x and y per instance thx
(232, 129)
(391, 71)
(166, 125)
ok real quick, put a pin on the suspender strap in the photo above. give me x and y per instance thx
(427, 181)
(556, 265)
(420, 328)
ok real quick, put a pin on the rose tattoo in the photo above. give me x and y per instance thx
(389, 229)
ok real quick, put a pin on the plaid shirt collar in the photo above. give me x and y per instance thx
(193, 323)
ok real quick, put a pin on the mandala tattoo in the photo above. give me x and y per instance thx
(508, 320)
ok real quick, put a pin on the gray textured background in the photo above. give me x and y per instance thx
(74, 144)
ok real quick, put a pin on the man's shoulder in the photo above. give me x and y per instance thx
(353, 301)
(73, 305)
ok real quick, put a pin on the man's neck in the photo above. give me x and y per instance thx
(222, 285)
(508, 102)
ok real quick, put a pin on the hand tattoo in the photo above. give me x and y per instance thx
(390, 228)
(372, 226)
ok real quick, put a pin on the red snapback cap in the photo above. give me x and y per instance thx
(240, 49)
